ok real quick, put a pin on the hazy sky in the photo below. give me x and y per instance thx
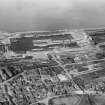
(27, 15)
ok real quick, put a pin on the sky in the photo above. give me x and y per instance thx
(33, 15)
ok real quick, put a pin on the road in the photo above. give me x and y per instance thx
(68, 74)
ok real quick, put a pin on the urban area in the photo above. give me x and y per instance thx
(62, 67)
